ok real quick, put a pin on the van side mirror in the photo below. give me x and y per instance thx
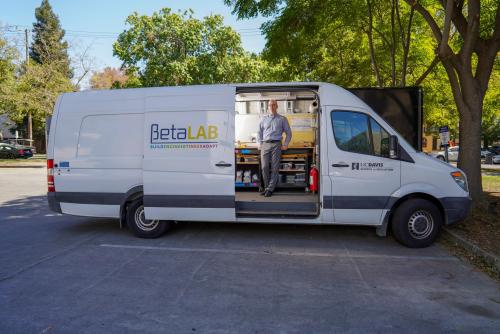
(393, 147)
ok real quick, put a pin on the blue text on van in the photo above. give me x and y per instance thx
(190, 134)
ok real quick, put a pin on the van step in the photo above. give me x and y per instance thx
(276, 214)
(277, 208)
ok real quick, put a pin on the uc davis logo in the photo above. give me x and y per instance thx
(184, 137)
(355, 165)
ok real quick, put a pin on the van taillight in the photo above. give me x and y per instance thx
(50, 176)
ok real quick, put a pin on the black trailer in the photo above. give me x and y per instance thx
(402, 108)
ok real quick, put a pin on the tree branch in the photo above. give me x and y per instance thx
(446, 30)
(455, 85)
(428, 17)
(471, 35)
(405, 42)
(487, 55)
(429, 69)
(370, 42)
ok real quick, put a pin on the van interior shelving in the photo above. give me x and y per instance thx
(300, 107)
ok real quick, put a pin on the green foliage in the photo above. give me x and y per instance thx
(168, 48)
(35, 92)
(327, 40)
(28, 89)
(8, 56)
(491, 109)
(48, 46)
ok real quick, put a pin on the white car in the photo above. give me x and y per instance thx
(496, 159)
(452, 154)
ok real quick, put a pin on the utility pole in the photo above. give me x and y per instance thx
(30, 119)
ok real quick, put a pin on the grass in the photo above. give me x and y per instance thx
(482, 227)
(491, 183)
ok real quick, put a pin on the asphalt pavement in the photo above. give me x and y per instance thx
(65, 274)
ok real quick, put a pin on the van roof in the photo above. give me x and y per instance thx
(336, 94)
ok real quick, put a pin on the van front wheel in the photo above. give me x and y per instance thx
(142, 227)
(416, 223)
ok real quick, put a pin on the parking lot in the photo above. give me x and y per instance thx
(65, 274)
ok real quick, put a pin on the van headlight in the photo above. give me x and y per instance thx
(460, 179)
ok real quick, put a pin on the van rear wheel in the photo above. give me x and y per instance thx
(142, 227)
(416, 223)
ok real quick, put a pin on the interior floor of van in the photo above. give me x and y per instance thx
(292, 196)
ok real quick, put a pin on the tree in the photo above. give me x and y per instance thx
(108, 78)
(35, 92)
(176, 49)
(48, 46)
(351, 43)
(461, 40)
(468, 58)
(8, 57)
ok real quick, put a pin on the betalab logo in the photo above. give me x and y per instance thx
(203, 136)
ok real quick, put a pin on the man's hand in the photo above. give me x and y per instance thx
(284, 148)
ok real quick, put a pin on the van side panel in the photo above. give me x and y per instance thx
(97, 154)
(188, 165)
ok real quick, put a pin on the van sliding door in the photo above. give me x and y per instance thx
(188, 166)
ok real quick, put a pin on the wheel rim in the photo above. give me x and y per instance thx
(420, 224)
(142, 222)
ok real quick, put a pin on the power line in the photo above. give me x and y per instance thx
(104, 34)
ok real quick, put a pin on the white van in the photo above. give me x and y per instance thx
(154, 156)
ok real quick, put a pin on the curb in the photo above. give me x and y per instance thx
(473, 248)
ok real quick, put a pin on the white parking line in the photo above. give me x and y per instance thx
(282, 253)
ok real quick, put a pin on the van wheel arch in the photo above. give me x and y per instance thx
(130, 196)
(424, 196)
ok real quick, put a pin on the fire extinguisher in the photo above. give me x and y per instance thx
(313, 179)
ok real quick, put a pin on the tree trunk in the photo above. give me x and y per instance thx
(469, 159)
(370, 43)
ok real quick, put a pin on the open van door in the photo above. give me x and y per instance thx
(188, 165)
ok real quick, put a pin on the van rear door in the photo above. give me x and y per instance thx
(188, 165)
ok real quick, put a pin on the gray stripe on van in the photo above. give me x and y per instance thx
(358, 202)
(173, 201)
(90, 198)
(189, 201)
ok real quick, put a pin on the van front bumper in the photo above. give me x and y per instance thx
(456, 208)
(54, 204)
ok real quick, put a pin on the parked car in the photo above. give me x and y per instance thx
(452, 154)
(496, 159)
(485, 153)
(495, 149)
(8, 151)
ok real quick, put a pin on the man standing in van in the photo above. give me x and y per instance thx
(269, 138)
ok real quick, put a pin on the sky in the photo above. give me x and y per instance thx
(95, 24)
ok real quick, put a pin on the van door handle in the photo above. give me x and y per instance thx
(340, 165)
(223, 164)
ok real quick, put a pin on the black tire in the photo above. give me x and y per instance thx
(416, 223)
(440, 157)
(142, 228)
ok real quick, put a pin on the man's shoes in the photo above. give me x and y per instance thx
(262, 191)
(268, 193)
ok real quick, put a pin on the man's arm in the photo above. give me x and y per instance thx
(260, 133)
(288, 132)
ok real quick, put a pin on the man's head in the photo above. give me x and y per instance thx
(273, 107)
